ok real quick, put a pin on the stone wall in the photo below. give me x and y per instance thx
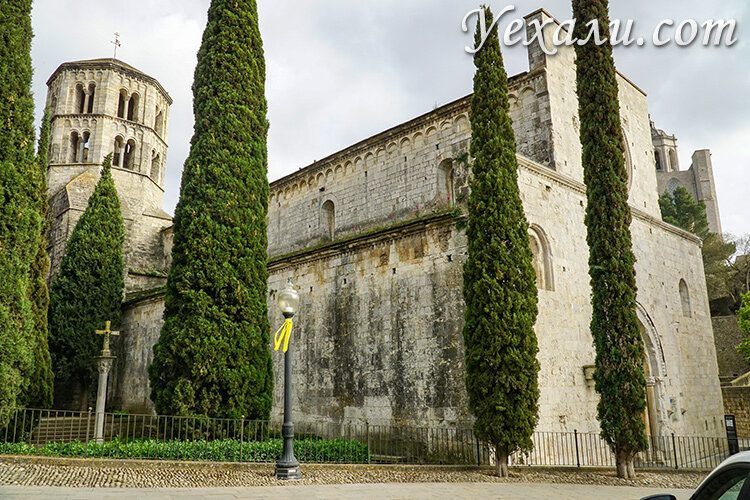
(737, 403)
(129, 387)
(727, 336)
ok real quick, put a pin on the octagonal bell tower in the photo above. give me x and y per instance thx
(103, 106)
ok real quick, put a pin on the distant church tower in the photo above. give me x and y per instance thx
(103, 106)
(698, 179)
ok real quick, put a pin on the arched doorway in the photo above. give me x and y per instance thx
(655, 416)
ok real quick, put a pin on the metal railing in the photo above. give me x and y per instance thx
(71, 434)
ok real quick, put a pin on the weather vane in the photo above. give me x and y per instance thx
(116, 43)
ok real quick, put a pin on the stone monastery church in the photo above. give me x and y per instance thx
(373, 241)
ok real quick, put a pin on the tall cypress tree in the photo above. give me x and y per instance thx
(499, 280)
(213, 356)
(619, 376)
(20, 222)
(87, 291)
(38, 394)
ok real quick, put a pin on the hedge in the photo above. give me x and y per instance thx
(226, 450)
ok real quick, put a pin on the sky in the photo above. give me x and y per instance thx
(340, 71)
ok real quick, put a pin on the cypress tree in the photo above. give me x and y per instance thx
(38, 394)
(20, 222)
(681, 210)
(87, 290)
(213, 357)
(499, 280)
(619, 376)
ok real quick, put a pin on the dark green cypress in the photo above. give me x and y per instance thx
(38, 394)
(213, 357)
(619, 375)
(20, 222)
(499, 280)
(87, 291)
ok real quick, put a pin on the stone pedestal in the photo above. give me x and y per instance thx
(104, 364)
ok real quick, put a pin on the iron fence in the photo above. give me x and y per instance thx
(72, 433)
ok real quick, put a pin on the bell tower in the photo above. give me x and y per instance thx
(98, 107)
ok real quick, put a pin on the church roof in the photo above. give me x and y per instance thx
(109, 63)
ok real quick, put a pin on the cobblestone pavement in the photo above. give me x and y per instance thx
(423, 491)
(38, 477)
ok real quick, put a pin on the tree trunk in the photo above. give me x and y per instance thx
(625, 466)
(501, 461)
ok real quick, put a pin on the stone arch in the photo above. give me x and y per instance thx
(628, 159)
(430, 132)
(405, 143)
(444, 178)
(319, 178)
(687, 309)
(85, 147)
(122, 100)
(446, 125)
(118, 151)
(418, 139)
(80, 99)
(657, 402)
(328, 219)
(541, 258)
(128, 158)
(90, 96)
(392, 148)
(75, 144)
(159, 122)
(133, 103)
(462, 123)
(657, 159)
(155, 166)
(338, 171)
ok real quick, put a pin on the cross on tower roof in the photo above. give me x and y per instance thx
(106, 332)
(116, 43)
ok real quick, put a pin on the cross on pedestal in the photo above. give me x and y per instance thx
(106, 332)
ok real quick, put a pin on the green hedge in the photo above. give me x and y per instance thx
(227, 450)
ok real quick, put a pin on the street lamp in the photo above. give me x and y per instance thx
(288, 467)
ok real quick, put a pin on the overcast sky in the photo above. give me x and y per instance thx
(340, 71)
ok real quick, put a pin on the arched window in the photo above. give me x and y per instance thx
(628, 159)
(84, 156)
(133, 108)
(541, 258)
(118, 152)
(90, 97)
(155, 166)
(672, 160)
(128, 156)
(657, 155)
(445, 182)
(121, 103)
(75, 143)
(685, 300)
(158, 121)
(80, 98)
(673, 184)
(328, 219)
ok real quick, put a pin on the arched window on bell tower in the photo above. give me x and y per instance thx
(118, 152)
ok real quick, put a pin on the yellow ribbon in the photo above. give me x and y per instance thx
(283, 334)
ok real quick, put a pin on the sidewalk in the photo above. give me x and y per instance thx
(416, 491)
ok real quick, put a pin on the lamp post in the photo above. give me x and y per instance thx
(288, 467)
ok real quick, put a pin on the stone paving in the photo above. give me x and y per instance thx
(41, 477)
(423, 491)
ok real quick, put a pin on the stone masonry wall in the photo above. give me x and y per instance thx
(737, 403)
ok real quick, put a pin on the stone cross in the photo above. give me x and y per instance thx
(106, 332)
(116, 43)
